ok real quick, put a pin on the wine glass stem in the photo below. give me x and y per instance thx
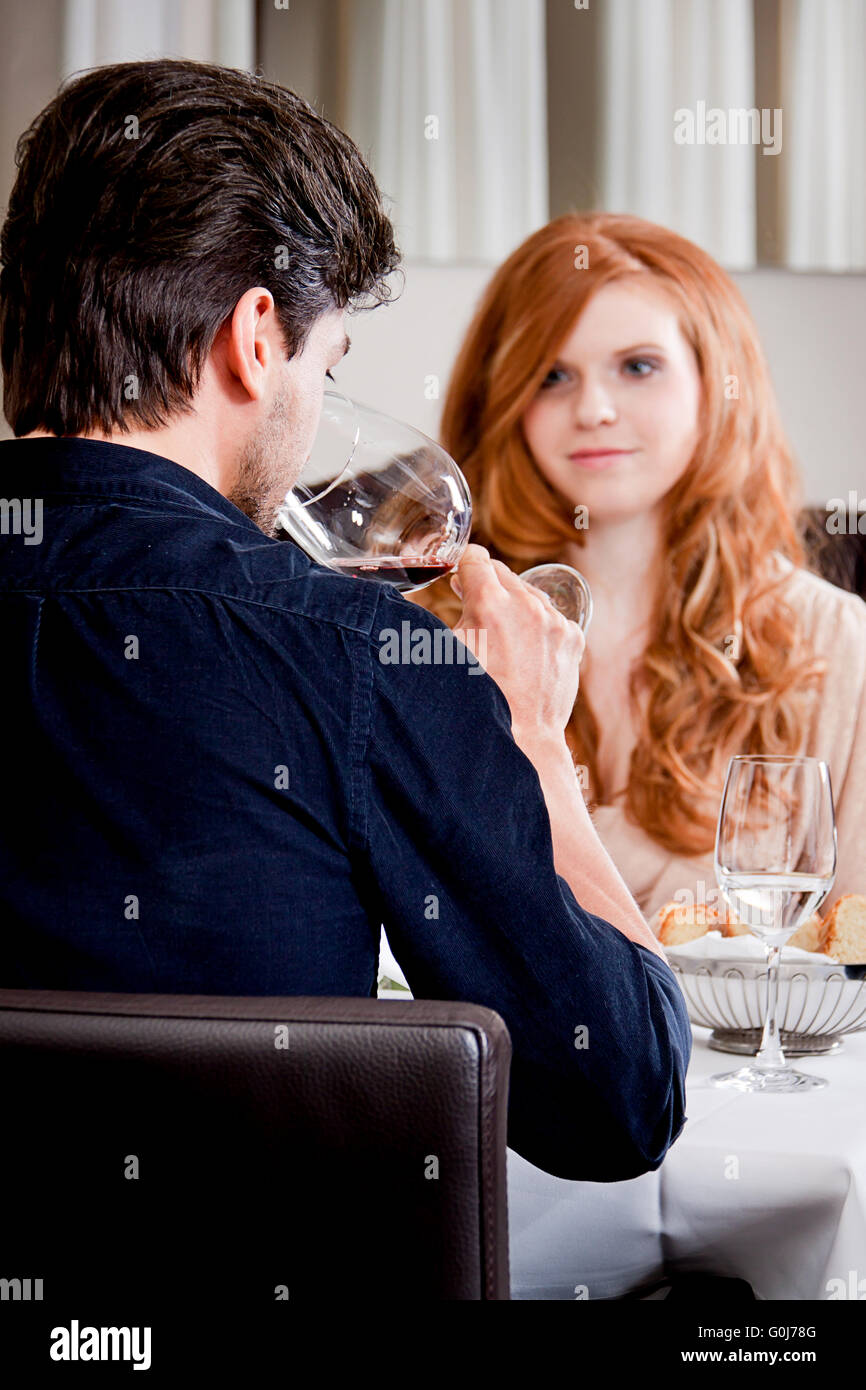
(770, 1055)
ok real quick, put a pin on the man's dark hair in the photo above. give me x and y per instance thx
(150, 196)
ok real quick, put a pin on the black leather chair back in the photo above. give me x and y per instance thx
(222, 1150)
(838, 555)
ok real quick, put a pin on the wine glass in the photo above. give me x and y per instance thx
(775, 862)
(566, 588)
(334, 448)
(380, 500)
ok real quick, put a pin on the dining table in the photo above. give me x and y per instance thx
(769, 1188)
(762, 1187)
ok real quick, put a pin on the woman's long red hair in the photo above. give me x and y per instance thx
(724, 670)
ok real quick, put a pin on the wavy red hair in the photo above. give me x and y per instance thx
(725, 669)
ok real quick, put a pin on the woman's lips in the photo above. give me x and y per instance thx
(598, 459)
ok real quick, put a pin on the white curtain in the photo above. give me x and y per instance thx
(96, 32)
(665, 56)
(447, 99)
(823, 50)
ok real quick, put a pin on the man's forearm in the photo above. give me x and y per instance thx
(579, 855)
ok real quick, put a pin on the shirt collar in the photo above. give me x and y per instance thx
(69, 463)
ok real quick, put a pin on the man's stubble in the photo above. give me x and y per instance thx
(269, 466)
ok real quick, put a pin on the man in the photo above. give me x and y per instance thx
(212, 782)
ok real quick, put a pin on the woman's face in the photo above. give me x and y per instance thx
(626, 380)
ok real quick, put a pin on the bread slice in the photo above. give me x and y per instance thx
(844, 935)
(732, 926)
(681, 922)
(808, 935)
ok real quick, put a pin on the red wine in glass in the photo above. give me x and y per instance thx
(566, 588)
(404, 572)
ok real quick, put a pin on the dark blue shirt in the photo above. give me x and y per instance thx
(214, 784)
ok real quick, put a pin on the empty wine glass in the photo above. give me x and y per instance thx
(380, 500)
(566, 588)
(775, 862)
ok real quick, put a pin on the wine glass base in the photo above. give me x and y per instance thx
(777, 1081)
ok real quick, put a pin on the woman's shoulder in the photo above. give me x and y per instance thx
(822, 606)
(833, 626)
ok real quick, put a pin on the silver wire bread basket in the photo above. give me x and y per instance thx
(818, 1001)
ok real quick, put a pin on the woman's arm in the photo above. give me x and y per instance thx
(533, 654)
(579, 855)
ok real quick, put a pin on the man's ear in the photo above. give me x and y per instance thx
(250, 347)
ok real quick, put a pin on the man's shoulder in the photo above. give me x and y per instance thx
(277, 575)
(128, 545)
(117, 519)
(259, 570)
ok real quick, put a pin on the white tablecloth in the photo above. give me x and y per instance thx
(771, 1189)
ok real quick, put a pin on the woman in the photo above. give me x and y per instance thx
(612, 409)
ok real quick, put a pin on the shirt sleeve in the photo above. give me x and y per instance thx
(458, 860)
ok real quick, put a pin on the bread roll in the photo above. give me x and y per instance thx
(680, 922)
(844, 936)
(731, 926)
(808, 936)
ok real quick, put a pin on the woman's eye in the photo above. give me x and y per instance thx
(551, 378)
(641, 362)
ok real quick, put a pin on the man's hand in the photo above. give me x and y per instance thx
(532, 652)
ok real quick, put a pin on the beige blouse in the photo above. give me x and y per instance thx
(836, 625)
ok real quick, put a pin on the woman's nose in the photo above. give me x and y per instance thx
(594, 407)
